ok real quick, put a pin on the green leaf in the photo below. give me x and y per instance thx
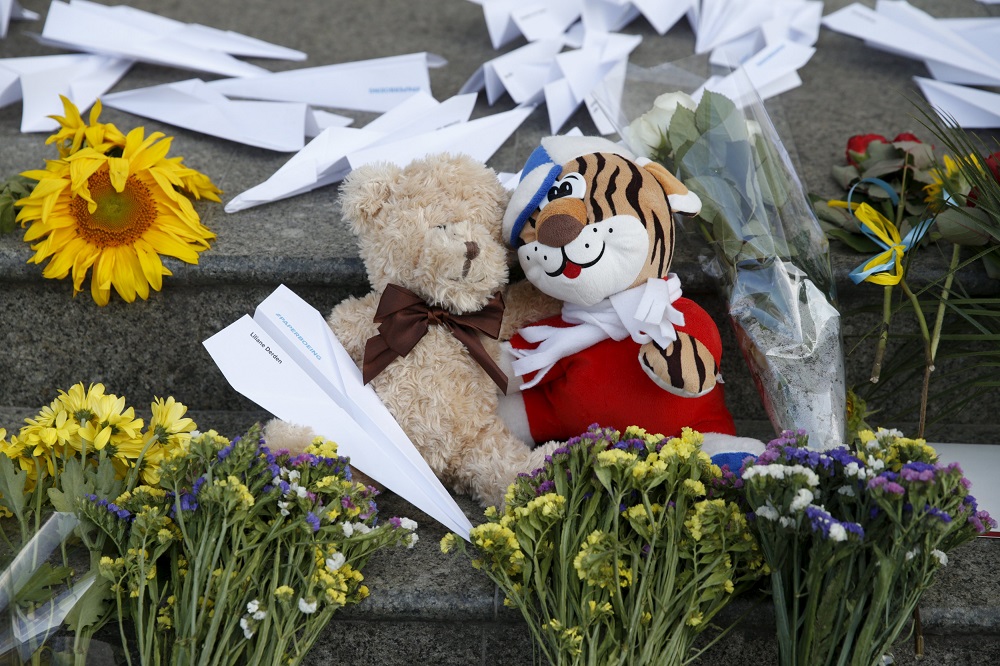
(846, 175)
(73, 487)
(91, 609)
(992, 263)
(717, 110)
(12, 479)
(964, 226)
(856, 242)
(38, 588)
(880, 168)
(683, 131)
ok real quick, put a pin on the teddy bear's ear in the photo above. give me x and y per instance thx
(364, 191)
(682, 200)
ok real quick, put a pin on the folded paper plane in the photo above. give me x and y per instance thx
(286, 359)
(11, 10)
(39, 81)
(195, 106)
(85, 26)
(365, 85)
(968, 107)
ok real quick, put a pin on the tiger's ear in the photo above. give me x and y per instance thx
(682, 200)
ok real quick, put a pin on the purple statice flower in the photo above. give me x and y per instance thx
(843, 456)
(91, 497)
(396, 522)
(188, 502)
(943, 516)
(313, 521)
(982, 522)
(124, 514)
(886, 481)
(829, 527)
(198, 483)
(284, 485)
(346, 503)
(224, 452)
(546, 486)
(918, 471)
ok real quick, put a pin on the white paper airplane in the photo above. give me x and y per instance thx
(968, 107)
(416, 128)
(771, 71)
(40, 80)
(11, 10)
(522, 73)
(286, 359)
(900, 28)
(365, 85)
(86, 26)
(195, 106)
(535, 19)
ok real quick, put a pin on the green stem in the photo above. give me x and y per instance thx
(945, 293)
(928, 357)
(883, 336)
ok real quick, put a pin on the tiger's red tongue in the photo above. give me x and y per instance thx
(571, 270)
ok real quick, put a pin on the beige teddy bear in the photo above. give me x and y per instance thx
(429, 236)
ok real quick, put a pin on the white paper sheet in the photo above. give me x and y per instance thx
(286, 359)
(969, 107)
(11, 10)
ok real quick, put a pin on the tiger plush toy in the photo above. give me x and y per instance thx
(593, 227)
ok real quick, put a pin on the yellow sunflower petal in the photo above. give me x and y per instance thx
(118, 171)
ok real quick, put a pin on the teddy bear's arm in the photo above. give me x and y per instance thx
(352, 321)
(525, 304)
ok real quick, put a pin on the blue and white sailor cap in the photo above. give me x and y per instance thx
(542, 169)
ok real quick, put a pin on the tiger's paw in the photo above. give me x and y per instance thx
(685, 368)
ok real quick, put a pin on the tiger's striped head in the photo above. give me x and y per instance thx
(589, 220)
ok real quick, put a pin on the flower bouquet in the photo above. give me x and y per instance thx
(239, 555)
(771, 255)
(620, 550)
(84, 441)
(853, 539)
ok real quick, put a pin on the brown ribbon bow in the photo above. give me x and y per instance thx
(403, 319)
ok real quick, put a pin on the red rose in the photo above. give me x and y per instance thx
(859, 144)
(993, 164)
(906, 136)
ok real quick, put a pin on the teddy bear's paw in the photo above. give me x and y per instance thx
(730, 450)
(281, 435)
(685, 368)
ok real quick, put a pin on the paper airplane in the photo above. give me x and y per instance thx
(418, 127)
(11, 10)
(85, 26)
(365, 85)
(193, 105)
(39, 81)
(968, 107)
(522, 73)
(771, 71)
(900, 28)
(286, 359)
(535, 19)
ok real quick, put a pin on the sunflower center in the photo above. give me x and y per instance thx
(121, 218)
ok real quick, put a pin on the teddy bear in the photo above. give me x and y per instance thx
(593, 226)
(425, 336)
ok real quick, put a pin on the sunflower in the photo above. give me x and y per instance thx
(114, 204)
(950, 182)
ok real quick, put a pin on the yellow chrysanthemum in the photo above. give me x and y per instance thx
(114, 214)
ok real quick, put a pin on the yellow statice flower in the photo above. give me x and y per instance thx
(448, 542)
(114, 212)
(616, 458)
(322, 447)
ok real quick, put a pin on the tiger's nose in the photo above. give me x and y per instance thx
(559, 230)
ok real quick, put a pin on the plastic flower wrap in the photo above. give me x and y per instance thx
(853, 539)
(113, 203)
(85, 440)
(620, 550)
(239, 554)
(771, 255)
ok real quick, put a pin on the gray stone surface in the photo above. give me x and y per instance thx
(428, 608)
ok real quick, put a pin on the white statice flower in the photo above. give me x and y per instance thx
(335, 561)
(253, 606)
(941, 556)
(412, 540)
(912, 553)
(408, 524)
(837, 532)
(259, 615)
(767, 512)
(847, 490)
(852, 469)
(245, 626)
(785, 521)
(782, 472)
(877, 464)
(307, 607)
(283, 506)
(361, 528)
(645, 134)
(294, 475)
(803, 498)
(348, 529)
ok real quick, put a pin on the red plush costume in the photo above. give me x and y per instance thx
(605, 384)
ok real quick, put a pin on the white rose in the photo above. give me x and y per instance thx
(645, 133)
